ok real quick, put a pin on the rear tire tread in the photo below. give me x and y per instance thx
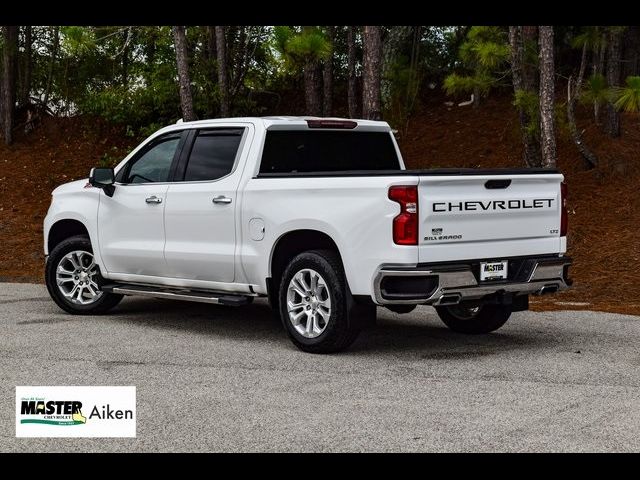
(343, 328)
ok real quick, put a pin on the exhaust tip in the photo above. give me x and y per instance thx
(450, 299)
(547, 289)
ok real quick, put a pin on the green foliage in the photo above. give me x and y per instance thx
(481, 82)
(627, 98)
(405, 80)
(529, 102)
(77, 40)
(127, 75)
(483, 54)
(592, 37)
(595, 90)
(296, 48)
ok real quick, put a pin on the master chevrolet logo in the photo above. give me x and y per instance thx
(52, 412)
(472, 205)
(75, 411)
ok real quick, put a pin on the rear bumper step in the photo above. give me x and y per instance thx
(450, 284)
(179, 294)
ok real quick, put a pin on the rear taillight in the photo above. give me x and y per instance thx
(564, 218)
(405, 225)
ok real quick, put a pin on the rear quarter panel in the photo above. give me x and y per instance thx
(354, 211)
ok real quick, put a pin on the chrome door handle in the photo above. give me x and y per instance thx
(153, 199)
(221, 199)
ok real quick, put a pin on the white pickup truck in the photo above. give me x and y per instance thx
(318, 215)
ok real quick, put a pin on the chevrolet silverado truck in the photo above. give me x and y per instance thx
(318, 215)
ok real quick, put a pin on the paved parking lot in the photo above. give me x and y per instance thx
(213, 378)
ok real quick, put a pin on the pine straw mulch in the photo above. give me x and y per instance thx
(57, 151)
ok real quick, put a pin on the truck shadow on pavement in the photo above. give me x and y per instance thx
(411, 335)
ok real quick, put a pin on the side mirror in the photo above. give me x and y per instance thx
(103, 178)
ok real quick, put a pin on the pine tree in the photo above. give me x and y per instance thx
(547, 96)
(526, 99)
(223, 68)
(327, 77)
(614, 54)
(9, 55)
(351, 73)
(372, 67)
(184, 79)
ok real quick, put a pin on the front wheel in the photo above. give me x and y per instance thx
(73, 279)
(313, 303)
(474, 318)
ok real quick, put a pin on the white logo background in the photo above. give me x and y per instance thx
(118, 398)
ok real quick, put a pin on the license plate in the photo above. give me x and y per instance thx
(493, 270)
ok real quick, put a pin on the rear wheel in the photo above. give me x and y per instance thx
(73, 279)
(474, 318)
(314, 305)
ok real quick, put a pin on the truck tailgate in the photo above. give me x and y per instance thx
(489, 216)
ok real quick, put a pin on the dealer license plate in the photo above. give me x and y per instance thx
(493, 270)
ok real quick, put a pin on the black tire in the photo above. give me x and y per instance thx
(461, 319)
(103, 304)
(342, 327)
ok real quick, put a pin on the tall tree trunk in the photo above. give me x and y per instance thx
(184, 80)
(530, 54)
(210, 56)
(371, 65)
(9, 54)
(312, 76)
(573, 93)
(52, 62)
(211, 44)
(531, 145)
(25, 84)
(612, 125)
(223, 71)
(547, 95)
(599, 69)
(237, 61)
(351, 73)
(327, 77)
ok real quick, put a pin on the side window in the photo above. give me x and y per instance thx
(154, 165)
(213, 154)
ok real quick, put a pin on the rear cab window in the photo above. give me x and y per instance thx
(213, 154)
(300, 151)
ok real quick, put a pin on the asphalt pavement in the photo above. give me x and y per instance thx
(215, 378)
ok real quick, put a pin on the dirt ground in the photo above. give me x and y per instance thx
(604, 205)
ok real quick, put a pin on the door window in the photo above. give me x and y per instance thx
(154, 165)
(213, 154)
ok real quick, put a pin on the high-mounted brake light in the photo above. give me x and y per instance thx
(326, 123)
(405, 225)
(564, 218)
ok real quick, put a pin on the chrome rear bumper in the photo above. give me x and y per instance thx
(454, 283)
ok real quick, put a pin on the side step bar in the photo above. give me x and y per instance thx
(177, 294)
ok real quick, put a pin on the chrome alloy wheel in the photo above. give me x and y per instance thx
(76, 278)
(308, 303)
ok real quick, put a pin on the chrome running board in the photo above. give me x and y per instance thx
(179, 294)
